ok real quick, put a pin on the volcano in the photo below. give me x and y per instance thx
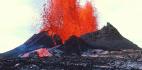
(107, 46)
(70, 40)
(108, 38)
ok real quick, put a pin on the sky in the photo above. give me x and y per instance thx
(20, 19)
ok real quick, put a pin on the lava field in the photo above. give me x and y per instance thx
(114, 60)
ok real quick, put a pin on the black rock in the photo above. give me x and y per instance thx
(75, 45)
(108, 38)
(57, 39)
(30, 67)
(41, 38)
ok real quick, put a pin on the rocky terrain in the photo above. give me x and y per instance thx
(110, 60)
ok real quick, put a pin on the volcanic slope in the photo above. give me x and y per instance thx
(37, 41)
(108, 38)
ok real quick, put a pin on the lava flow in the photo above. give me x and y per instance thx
(43, 52)
(66, 18)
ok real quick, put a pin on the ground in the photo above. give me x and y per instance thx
(112, 60)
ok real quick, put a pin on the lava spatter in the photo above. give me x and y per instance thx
(66, 18)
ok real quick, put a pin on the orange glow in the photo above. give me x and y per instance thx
(43, 52)
(67, 18)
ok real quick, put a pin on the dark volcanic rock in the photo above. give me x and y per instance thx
(108, 38)
(40, 39)
(57, 40)
(29, 67)
(114, 60)
(75, 45)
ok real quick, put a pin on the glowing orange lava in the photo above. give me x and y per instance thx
(67, 18)
(43, 52)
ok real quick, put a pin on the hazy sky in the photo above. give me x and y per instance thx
(19, 18)
(17, 22)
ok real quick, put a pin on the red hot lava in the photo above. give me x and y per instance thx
(67, 18)
(43, 52)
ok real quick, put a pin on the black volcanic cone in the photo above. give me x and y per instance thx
(40, 40)
(75, 45)
(108, 38)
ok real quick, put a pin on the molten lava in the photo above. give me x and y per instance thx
(66, 18)
(43, 52)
